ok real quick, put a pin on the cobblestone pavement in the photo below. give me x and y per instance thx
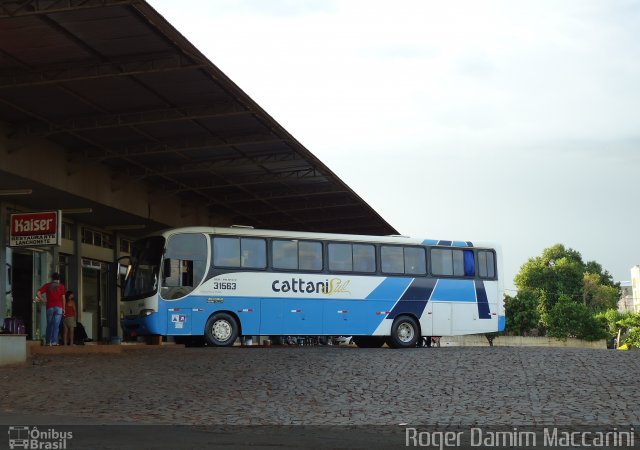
(330, 385)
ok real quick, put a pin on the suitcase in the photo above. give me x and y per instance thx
(10, 325)
(14, 325)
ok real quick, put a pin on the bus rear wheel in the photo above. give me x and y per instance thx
(221, 330)
(368, 341)
(405, 332)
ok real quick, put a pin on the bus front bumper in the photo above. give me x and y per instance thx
(142, 325)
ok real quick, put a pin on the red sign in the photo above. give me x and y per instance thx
(35, 229)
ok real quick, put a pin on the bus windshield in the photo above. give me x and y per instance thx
(142, 277)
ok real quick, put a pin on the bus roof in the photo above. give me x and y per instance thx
(248, 231)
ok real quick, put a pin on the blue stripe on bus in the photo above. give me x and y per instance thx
(445, 243)
(483, 301)
(501, 323)
(454, 291)
(459, 244)
(420, 289)
(390, 289)
(429, 242)
(415, 298)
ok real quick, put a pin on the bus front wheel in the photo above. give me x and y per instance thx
(221, 330)
(405, 332)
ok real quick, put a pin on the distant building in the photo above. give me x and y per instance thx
(635, 287)
(626, 297)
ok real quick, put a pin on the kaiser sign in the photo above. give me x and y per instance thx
(35, 229)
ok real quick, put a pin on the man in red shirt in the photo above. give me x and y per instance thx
(55, 293)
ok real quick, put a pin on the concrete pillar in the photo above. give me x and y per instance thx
(77, 264)
(4, 282)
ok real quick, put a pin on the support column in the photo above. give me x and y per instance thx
(4, 282)
(77, 263)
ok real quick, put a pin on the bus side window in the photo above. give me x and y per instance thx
(469, 264)
(171, 272)
(285, 254)
(187, 273)
(340, 257)
(310, 255)
(415, 261)
(392, 259)
(254, 253)
(364, 258)
(185, 261)
(486, 264)
(226, 251)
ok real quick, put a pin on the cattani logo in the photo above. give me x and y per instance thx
(299, 285)
(33, 438)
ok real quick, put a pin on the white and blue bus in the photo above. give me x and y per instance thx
(223, 283)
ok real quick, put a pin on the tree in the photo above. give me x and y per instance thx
(568, 318)
(632, 323)
(560, 272)
(596, 295)
(521, 312)
(616, 323)
(491, 336)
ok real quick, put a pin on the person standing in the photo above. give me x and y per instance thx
(69, 319)
(55, 293)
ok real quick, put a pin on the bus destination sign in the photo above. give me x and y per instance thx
(35, 229)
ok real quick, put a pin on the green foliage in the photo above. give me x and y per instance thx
(631, 322)
(632, 339)
(570, 319)
(598, 296)
(521, 312)
(613, 319)
(560, 273)
(604, 276)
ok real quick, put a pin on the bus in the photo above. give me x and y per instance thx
(224, 283)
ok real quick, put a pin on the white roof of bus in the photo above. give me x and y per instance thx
(246, 231)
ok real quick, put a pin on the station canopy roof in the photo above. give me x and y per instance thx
(115, 84)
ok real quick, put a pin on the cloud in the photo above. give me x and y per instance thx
(509, 121)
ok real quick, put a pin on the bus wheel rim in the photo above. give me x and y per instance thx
(221, 330)
(405, 332)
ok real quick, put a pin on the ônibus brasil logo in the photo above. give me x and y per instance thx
(33, 438)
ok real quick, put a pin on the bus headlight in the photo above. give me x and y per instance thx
(146, 312)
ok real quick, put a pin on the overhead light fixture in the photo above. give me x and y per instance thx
(124, 227)
(16, 191)
(77, 211)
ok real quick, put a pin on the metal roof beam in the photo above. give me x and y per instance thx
(255, 181)
(17, 8)
(278, 195)
(324, 218)
(134, 119)
(94, 71)
(307, 207)
(191, 145)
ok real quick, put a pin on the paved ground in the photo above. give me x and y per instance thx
(329, 385)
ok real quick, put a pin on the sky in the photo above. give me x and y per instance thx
(511, 122)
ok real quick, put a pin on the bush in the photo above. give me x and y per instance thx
(570, 319)
(633, 338)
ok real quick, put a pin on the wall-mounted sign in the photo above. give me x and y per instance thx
(35, 229)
